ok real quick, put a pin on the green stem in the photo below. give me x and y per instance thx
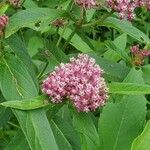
(61, 36)
(97, 22)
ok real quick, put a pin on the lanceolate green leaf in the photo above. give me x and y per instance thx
(127, 28)
(29, 17)
(142, 142)
(16, 83)
(28, 104)
(129, 88)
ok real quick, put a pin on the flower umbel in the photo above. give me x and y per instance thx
(139, 55)
(80, 80)
(126, 8)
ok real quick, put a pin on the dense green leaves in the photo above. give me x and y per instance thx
(42, 34)
(13, 74)
(121, 122)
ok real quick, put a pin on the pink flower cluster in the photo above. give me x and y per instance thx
(139, 54)
(126, 8)
(87, 4)
(80, 80)
(136, 50)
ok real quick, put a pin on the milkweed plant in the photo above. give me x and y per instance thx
(74, 75)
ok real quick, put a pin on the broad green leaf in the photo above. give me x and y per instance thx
(127, 28)
(116, 49)
(28, 104)
(34, 124)
(18, 142)
(13, 68)
(29, 17)
(29, 4)
(121, 122)
(119, 51)
(87, 131)
(35, 43)
(113, 71)
(129, 88)
(61, 140)
(76, 41)
(121, 41)
(142, 142)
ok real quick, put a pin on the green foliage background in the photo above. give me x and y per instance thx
(32, 47)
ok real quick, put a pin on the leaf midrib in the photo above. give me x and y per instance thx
(120, 126)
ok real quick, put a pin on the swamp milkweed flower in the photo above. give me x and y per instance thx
(126, 8)
(80, 81)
